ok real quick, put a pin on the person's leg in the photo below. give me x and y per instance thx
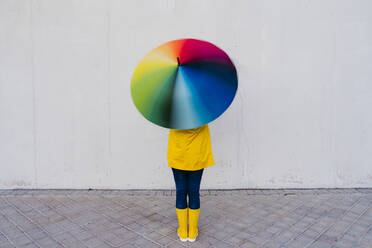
(181, 202)
(180, 179)
(193, 189)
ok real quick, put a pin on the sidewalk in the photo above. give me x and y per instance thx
(228, 218)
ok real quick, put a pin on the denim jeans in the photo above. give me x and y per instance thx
(187, 184)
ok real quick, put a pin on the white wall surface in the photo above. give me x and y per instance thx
(301, 118)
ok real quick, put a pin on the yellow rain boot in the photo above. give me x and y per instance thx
(193, 224)
(182, 222)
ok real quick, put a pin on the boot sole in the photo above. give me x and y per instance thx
(183, 240)
(192, 240)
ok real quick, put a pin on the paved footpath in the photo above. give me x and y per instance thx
(319, 218)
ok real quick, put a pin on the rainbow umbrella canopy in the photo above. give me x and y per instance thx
(184, 84)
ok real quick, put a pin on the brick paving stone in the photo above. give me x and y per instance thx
(93, 242)
(320, 244)
(47, 242)
(7, 246)
(165, 241)
(175, 244)
(287, 218)
(249, 244)
(20, 240)
(127, 246)
(142, 242)
(29, 245)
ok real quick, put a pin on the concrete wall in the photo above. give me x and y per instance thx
(302, 116)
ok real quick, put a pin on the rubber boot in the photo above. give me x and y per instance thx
(182, 222)
(193, 224)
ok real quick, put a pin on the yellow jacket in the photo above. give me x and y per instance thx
(190, 149)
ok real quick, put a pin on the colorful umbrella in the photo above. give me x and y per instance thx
(184, 84)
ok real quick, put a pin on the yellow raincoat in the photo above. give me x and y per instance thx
(190, 149)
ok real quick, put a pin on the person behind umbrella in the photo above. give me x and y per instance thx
(189, 152)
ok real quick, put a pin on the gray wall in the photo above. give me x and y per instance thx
(301, 117)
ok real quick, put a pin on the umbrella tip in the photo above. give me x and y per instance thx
(178, 60)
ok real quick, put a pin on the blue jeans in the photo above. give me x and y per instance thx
(187, 184)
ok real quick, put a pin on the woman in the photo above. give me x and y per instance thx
(189, 152)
